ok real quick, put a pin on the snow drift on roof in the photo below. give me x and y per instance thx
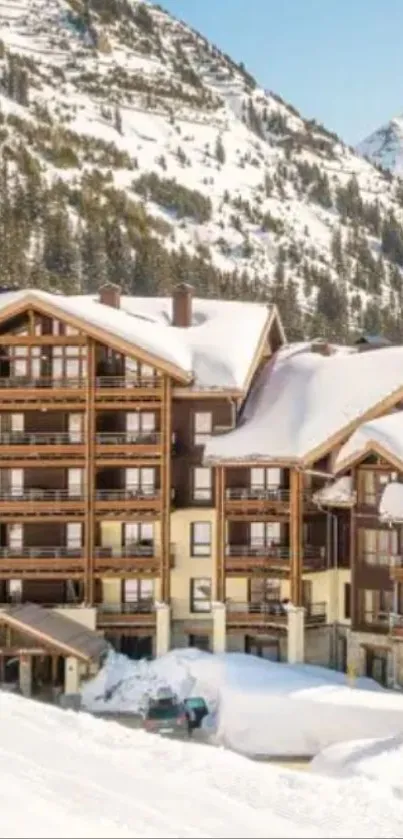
(301, 400)
(386, 432)
(218, 350)
(339, 493)
(391, 503)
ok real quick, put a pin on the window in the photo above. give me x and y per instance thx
(75, 482)
(74, 534)
(141, 480)
(75, 428)
(264, 534)
(377, 606)
(265, 478)
(17, 423)
(139, 592)
(15, 536)
(203, 427)
(138, 532)
(141, 422)
(378, 547)
(202, 483)
(200, 538)
(347, 600)
(200, 594)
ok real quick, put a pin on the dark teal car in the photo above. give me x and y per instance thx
(170, 717)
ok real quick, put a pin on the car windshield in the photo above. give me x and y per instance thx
(163, 712)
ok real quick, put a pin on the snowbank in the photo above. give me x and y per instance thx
(70, 775)
(258, 707)
(380, 760)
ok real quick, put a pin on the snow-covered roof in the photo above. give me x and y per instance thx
(339, 493)
(384, 435)
(391, 503)
(303, 402)
(217, 351)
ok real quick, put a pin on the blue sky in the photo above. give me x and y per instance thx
(340, 61)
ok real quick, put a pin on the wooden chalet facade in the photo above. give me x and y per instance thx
(112, 509)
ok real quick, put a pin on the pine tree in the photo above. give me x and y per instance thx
(219, 150)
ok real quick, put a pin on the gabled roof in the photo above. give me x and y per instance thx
(55, 630)
(382, 436)
(219, 351)
(303, 404)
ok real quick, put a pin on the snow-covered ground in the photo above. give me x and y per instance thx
(71, 775)
(258, 707)
(379, 760)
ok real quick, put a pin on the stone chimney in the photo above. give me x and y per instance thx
(109, 295)
(182, 305)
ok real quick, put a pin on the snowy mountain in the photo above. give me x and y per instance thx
(134, 150)
(385, 146)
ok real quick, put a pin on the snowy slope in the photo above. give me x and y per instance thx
(69, 775)
(385, 146)
(140, 93)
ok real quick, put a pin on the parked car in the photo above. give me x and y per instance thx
(166, 715)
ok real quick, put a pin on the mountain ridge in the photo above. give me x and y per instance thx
(144, 155)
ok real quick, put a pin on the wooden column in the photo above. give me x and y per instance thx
(90, 428)
(166, 478)
(354, 594)
(296, 536)
(220, 534)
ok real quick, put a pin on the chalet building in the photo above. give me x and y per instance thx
(173, 473)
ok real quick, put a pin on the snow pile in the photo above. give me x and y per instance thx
(391, 503)
(378, 759)
(70, 775)
(339, 493)
(258, 707)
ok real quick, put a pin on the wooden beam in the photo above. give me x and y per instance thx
(90, 475)
(296, 536)
(220, 534)
(32, 340)
(166, 470)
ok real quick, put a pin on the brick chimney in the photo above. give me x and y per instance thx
(109, 295)
(182, 305)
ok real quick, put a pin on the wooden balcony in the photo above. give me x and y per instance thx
(132, 560)
(247, 502)
(273, 560)
(259, 616)
(138, 616)
(57, 391)
(375, 621)
(44, 562)
(110, 447)
(110, 390)
(118, 502)
(269, 615)
(396, 626)
(30, 504)
(40, 446)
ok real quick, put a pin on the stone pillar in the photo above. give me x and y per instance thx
(71, 675)
(296, 635)
(25, 675)
(219, 628)
(163, 643)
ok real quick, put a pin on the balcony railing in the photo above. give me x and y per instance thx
(270, 493)
(43, 382)
(377, 618)
(383, 560)
(144, 438)
(133, 549)
(128, 382)
(57, 552)
(265, 608)
(140, 607)
(40, 438)
(36, 494)
(129, 494)
(315, 613)
(259, 550)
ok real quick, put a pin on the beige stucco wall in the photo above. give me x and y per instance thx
(236, 588)
(327, 587)
(187, 566)
(84, 615)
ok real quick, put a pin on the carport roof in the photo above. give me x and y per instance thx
(63, 633)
